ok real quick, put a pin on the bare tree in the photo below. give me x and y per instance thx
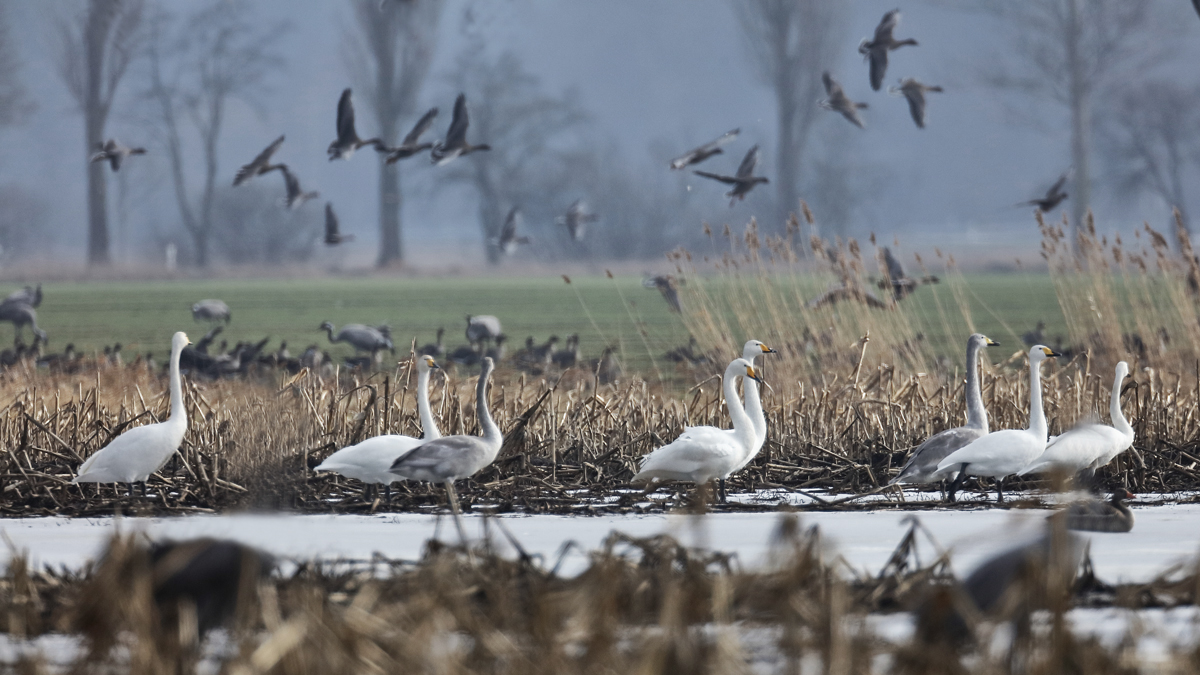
(792, 42)
(1067, 52)
(15, 104)
(96, 47)
(1153, 139)
(389, 59)
(219, 55)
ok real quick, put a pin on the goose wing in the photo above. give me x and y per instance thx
(883, 32)
(456, 135)
(290, 182)
(704, 151)
(508, 231)
(724, 179)
(832, 88)
(916, 104)
(878, 57)
(746, 168)
(345, 118)
(421, 127)
(1056, 189)
(258, 163)
(895, 271)
(331, 224)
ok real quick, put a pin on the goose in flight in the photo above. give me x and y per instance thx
(668, 286)
(347, 140)
(29, 295)
(703, 454)
(333, 233)
(371, 460)
(576, 219)
(922, 466)
(115, 153)
(296, 196)
(914, 91)
(697, 155)
(211, 311)
(1093, 515)
(362, 338)
(839, 102)
(744, 181)
(260, 164)
(507, 241)
(455, 143)
(899, 283)
(1054, 196)
(452, 458)
(139, 452)
(1003, 453)
(876, 50)
(411, 144)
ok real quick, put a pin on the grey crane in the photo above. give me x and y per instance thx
(1053, 197)
(347, 140)
(452, 458)
(839, 102)
(576, 219)
(743, 181)
(333, 232)
(668, 286)
(507, 240)
(697, 155)
(914, 92)
(260, 164)
(296, 196)
(482, 327)
(115, 153)
(362, 338)
(20, 315)
(411, 144)
(29, 295)
(455, 144)
(876, 50)
(212, 311)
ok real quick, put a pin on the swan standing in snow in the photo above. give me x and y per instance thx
(1003, 453)
(371, 461)
(702, 454)
(139, 452)
(1089, 446)
(452, 458)
(922, 466)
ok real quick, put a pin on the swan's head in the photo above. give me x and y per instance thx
(1039, 353)
(755, 348)
(1122, 370)
(426, 364)
(180, 340)
(742, 368)
(981, 340)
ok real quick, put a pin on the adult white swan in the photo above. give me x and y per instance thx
(371, 461)
(139, 452)
(1003, 453)
(922, 466)
(1088, 446)
(452, 458)
(753, 407)
(702, 454)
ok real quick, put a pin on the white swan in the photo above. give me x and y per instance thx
(371, 460)
(702, 454)
(1088, 446)
(922, 466)
(1003, 453)
(139, 452)
(753, 407)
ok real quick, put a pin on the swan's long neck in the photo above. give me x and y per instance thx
(976, 413)
(754, 409)
(741, 421)
(178, 412)
(428, 424)
(491, 432)
(1037, 415)
(1114, 408)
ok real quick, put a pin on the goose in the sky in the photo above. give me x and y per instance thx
(1054, 196)
(697, 155)
(139, 452)
(259, 165)
(576, 219)
(347, 140)
(211, 311)
(668, 287)
(914, 91)
(1003, 453)
(922, 466)
(744, 181)
(455, 143)
(899, 283)
(507, 240)
(876, 50)
(296, 196)
(333, 232)
(839, 102)
(371, 460)
(411, 144)
(115, 153)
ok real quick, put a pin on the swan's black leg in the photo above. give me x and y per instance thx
(956, 483)
(1000, 490)
(721, 494)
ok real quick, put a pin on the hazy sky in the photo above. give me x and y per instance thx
(673, 72)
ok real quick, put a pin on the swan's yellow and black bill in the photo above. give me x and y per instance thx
(1050, 352)
(991, 342)
(431, 363)
(766, 350)
(752, 375)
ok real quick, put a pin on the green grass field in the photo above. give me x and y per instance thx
(142, 316)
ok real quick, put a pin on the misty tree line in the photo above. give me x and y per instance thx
(1090, 64)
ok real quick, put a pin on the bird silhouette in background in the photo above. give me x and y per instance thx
(411, 144)
(744, 181)
(876, 50)
(668, 286)
(455, 144)
(333, 235)
(838, 101)
(914, 91)
(347, 140)
(507, 241)
(260, 164)
(1054, 196)
(29, 295)
(697, 155)
(296, 196)
(576, 219)
(115, 153)
(897, 281)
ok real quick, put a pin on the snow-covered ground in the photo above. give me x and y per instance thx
(1163, 535)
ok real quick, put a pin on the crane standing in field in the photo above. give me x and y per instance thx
(362, 338)
(211, 311)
